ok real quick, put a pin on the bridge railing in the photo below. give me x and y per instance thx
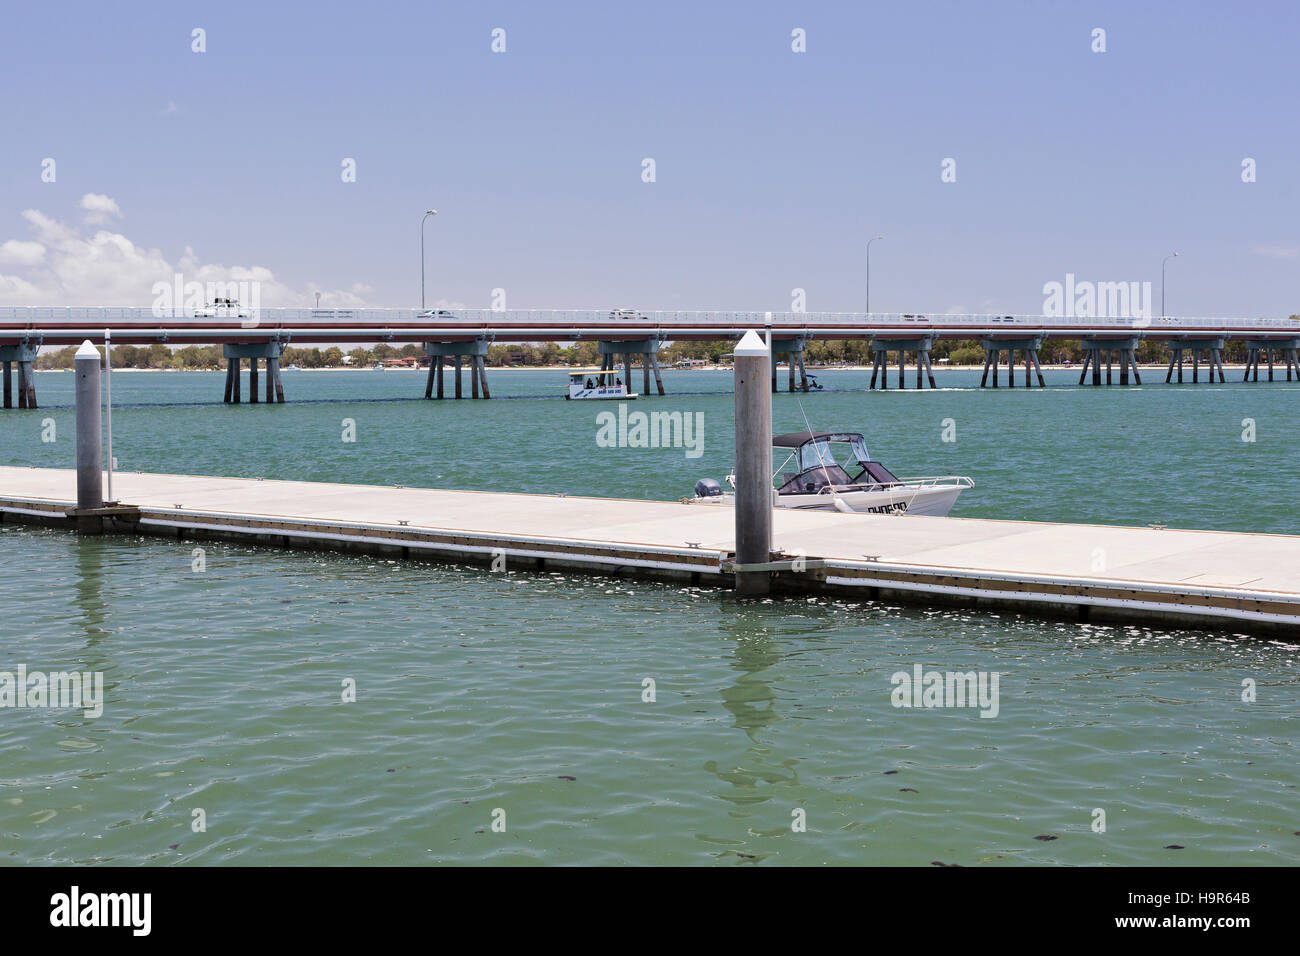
(110, 315)
(95, 317)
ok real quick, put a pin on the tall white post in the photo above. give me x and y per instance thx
(90, 447)
(753, 400)
(108, 404)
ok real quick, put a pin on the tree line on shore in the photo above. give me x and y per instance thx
(209, 356)
(816, 352)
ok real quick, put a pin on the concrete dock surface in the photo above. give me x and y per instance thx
(1225, 579)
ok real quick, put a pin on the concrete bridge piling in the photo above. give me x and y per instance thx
(1027, 345)
(1123, 347)
(792, 347)
(23, 356)
(881, 346)
(648, 348)
(1209, 346)
(475, 350)
(234, 353)
(1284, 349)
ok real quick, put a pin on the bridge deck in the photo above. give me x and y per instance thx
(1246, 581)
(54, 326)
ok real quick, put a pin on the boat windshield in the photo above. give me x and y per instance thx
(816, 454)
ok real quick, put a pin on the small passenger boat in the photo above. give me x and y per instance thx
(813, 476)
(590, 386)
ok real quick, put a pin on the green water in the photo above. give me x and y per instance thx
(478, 692)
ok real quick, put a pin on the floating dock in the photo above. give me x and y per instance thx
(1076, 572)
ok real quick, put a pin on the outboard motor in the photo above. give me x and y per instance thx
(707, 488)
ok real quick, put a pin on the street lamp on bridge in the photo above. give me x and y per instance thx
(869, 242)
(428, 213)
(1172, 255)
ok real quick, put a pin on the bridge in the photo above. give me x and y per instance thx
(457, 335)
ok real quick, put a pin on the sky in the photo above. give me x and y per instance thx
(772, 167)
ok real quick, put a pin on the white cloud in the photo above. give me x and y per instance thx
(1279, 252)
(17, 252)
(98, 208)
(14, 289)
(61, 266)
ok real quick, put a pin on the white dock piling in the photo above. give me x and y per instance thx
(90, 448)
(753, 464)
(108, 408)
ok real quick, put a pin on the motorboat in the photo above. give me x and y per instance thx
(832, 471)
(590, 386)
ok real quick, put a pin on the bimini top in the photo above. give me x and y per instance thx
(796, 439)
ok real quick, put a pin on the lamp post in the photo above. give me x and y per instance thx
(1172, 255)
(428, 213)
(869, 242)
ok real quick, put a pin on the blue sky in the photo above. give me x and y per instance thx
(772, 167)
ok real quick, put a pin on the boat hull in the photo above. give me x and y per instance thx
(930, 500)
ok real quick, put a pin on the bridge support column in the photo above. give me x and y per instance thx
(475, 350)
(1290, 358)
(881, 346)
(274, 384)
(26, 385)
(235, 352)
(1027, 345)
(1123, 347)
(1285, 349)
(1208, 346)
(647, 348)
(23, 356)
(792, 346)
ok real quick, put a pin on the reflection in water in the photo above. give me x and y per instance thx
(89, 616)
(753, 776)
(750, 699)
(89, 587)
